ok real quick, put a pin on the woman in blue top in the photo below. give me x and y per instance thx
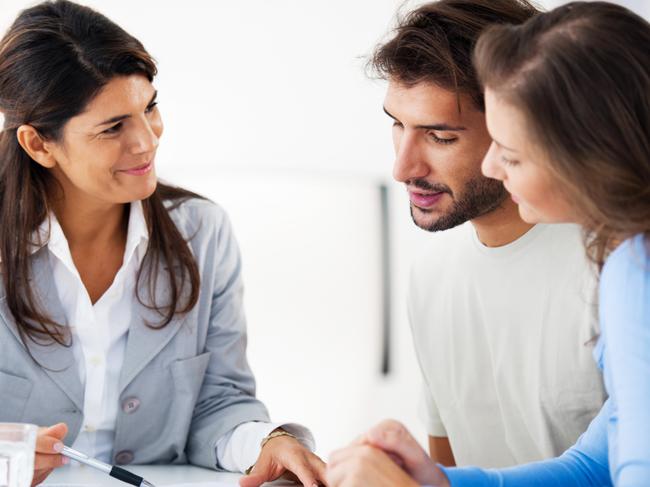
(568, 107)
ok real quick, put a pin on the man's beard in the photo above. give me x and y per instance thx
(480, 195)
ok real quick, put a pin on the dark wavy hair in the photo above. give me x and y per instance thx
(433, 43)
(54, 59)
(581, 75)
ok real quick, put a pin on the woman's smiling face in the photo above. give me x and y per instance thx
(107, 152)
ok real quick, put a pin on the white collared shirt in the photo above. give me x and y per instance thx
(99, 344)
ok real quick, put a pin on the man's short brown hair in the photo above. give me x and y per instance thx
(434, 43)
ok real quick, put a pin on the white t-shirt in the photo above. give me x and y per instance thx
(504, 341)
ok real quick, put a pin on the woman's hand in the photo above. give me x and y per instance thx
(386, 455)
(49, 444)
(395, 440)
(364, 466)
(284, 455)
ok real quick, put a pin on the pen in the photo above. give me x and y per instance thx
(113, 471)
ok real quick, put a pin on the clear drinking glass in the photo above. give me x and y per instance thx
(17, 445)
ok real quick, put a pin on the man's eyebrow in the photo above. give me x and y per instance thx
(119, 118)
(442, 127)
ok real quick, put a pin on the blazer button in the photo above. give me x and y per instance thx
(130, 405)
(124, 457)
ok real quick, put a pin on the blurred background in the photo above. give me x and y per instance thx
(268, 112)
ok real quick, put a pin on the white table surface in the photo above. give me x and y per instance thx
(159, 475)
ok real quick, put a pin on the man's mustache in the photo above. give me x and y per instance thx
(427, 186)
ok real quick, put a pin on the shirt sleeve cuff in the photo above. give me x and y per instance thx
(470, 477)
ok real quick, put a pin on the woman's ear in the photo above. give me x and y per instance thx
(37, 148)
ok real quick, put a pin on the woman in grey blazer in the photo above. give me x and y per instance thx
(121, 319)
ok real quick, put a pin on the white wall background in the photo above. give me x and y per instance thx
(268, 112)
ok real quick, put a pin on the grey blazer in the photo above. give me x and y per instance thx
(181, 387)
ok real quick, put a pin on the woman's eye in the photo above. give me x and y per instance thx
(151, 107)
(442, 140)
(509, 162)
(113, 130)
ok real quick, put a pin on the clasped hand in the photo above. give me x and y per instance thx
(385, 456)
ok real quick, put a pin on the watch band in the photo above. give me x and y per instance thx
(275, 434)
(266, 439)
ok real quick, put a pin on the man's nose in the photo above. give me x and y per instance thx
(410, 159)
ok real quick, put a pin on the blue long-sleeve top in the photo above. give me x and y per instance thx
(615, 449)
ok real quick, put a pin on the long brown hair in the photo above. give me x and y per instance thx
(53, 60)
(581, 76)
(433, 43)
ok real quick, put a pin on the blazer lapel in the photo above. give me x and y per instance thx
(143, 342)
(57, 361)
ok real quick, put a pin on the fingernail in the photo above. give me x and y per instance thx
(65, 460)
(58, 447)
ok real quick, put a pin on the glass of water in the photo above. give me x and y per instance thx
(17, 445)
